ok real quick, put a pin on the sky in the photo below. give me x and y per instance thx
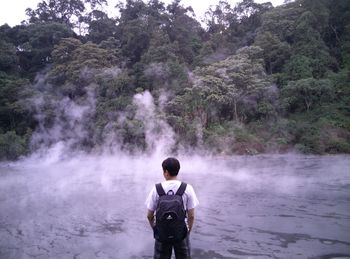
(12, 12)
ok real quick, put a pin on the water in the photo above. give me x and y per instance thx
(250, 207)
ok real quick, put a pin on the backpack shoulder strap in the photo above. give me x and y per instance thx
(160, 189)
(181, 189)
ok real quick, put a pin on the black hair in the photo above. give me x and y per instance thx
(172, 165)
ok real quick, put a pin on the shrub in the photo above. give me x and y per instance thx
(12, 146)
(338, 146)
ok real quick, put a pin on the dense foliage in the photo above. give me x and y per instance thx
(251, 78)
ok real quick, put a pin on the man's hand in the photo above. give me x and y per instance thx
(190, 219)
(150, 217)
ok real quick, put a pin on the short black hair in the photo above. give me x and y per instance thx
(172, 165)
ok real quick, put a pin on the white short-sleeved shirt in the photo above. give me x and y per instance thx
(189, 197)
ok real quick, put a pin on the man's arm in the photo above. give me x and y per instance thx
(150, 217)
(190, 219)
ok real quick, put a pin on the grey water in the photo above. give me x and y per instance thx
(266, 206)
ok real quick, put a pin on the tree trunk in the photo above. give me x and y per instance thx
(235, 110)
(307, 103)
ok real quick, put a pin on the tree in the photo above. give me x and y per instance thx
(14, 114)
(8, 57)
(275, 52)
(248, 15)
(309, 43)
(280, 21)
(134, 40)
(136, 24)
(297, 67)
(338, 23)
(74, 64)
(34, 44)
(304, 94)
(160, 48)
(100, 27)
(231, 28)
(12, 146)
(60, 11)
(69, 12)
(184, 31)
(218, 18)
(225, 85)
(244, 76)
(291, 36)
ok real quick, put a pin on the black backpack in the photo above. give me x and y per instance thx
(170, 215)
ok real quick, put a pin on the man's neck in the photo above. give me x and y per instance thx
(171, 178)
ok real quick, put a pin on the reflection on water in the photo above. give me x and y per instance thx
(250, 207)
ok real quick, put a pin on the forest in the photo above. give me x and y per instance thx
(247, 79)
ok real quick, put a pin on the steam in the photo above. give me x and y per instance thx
(160, 137)
(157, 71)
(65, 125)
(69, 120)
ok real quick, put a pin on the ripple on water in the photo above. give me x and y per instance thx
(334, 256)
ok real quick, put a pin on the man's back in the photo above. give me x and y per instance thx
(171, 167)
(189, 197)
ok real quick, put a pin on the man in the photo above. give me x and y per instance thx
(163, 250)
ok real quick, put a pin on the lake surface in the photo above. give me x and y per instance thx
(268, 206)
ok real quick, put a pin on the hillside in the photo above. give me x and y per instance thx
(252, 78)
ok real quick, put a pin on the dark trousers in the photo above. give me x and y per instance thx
(164, 250)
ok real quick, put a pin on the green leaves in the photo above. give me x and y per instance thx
(223, 86)
(215, 83)
(71, 57)
(304, 94)
(34, 44)
(68, 12)
(12, 146)
(275, 52)
(8, 57)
